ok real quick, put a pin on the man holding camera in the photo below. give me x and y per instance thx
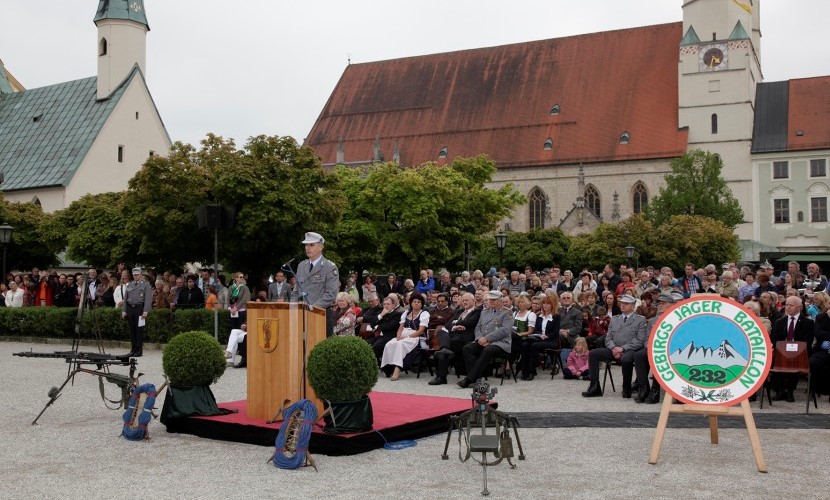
(492, 338)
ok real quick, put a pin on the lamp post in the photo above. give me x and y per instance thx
(501, 242)
(629, 254)
(5, 237)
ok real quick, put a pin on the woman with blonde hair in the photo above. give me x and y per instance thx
(344, 318)
(545, 336)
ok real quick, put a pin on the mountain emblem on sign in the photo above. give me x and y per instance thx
(724, 356)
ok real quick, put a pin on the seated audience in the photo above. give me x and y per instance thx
(413, 325)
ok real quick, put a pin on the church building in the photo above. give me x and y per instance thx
(586, 126)
(63, 141)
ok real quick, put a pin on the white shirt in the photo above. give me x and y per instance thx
(14, 299)
(118, 295)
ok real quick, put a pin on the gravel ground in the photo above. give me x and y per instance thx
(75, 451)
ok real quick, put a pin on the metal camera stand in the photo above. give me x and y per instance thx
(483, 415)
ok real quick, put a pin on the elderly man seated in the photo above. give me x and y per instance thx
(492, 338)
(626, 336)
(454, 335)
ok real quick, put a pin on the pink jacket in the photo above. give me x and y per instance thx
(577, 362)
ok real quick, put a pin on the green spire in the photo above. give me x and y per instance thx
(690, 38)
(739, 33)
(130, 10)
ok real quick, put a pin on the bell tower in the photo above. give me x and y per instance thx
(122, 42)
(719, 66)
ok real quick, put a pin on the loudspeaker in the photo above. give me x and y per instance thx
(215, 216)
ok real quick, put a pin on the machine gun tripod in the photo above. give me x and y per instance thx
(482, 415)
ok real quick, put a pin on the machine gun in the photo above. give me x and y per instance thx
(93, 363)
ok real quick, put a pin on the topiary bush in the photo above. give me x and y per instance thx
(342, 368)
(193, 358)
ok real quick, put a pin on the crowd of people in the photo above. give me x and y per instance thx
(525, 319)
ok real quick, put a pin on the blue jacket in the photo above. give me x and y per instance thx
(425, 287)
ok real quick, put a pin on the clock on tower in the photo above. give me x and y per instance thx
(713, 57)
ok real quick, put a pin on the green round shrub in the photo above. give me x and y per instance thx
(193, 358)
(342, 368)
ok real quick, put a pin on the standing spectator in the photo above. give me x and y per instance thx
(191, 297)
(238, 298)
(279, 291)
(368, 287)
(43, 291)
(14, 296)
(138, 299)
(392, 285)
(160, 293)
(211, 302)
(92, 284)
(28, 292)
(105, 292)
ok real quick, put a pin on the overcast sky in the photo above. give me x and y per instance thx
(248, 67)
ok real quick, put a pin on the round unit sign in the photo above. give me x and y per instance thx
(709, 350)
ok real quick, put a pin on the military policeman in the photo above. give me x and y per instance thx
(317, 279)
(492, 338)
(138, 299)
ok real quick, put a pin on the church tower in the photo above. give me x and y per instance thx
(718, 69)
(122, 42)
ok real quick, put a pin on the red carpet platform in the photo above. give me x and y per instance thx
(396, 417)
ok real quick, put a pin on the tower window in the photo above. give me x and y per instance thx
(625, 138)
(554, 110)
(548, 144)
(102, 47)
(592, 200)
(640, 199)
(443, 153)
(136, 115)
(538, 208)
(120, 154)
(714, 123)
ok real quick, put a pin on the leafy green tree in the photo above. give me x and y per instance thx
(411, 217)
(538, 248)
(607, 245)
(696, 187)
(688, 238)
(93, 229)
(28, 247)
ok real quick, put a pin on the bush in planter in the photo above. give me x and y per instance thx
(342, 368)
(193, 358)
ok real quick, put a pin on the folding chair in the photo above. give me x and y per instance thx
(790, 358)
(608, 375)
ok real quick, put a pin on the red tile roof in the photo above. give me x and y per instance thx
(809, 111)
(498, 100)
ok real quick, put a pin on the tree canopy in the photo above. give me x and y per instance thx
(696, 187)
(538, 248)
(28, 248)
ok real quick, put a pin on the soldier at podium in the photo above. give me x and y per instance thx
(317, 279)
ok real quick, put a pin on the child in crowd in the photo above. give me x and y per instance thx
(598, 328)
(577, 364)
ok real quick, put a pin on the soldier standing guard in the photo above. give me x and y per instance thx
(317, 279)
(138, 299)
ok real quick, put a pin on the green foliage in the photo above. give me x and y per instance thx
(686, 238)
(538, 248)
(408, 217)
(53, 322)
(696, 187)
(106, 321)
(28, 247)
(193, 358)
(342, 368)
(94, 230)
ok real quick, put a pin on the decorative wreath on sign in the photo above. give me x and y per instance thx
(137, 416)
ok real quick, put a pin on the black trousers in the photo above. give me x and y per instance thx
(477, 358)
(602, 354)
(531, 348)
(378, 343)
(236, 323)
(455, 342)
(136, 332)
(820, 371)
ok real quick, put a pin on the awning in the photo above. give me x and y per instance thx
(812, 257)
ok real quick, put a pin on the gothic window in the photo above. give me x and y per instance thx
(548, 144)
(36, 201)
(538, 208)
(625, 138)
(102, 47)
(714, 123)
(592, 200)
(554, 110)
(640, 198)
(443, 153)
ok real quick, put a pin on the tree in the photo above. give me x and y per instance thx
(688, 238)
(538, 248)
(607, 244)
(410, 217)
(93, 229)
(28, 247)
(696, 187)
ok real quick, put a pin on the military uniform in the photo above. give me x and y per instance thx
(138, 299)
(630, 334)
(317, 285)
(497, 327)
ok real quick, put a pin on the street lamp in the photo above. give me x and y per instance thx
(5, 237)
(501, 242)
(629, 254)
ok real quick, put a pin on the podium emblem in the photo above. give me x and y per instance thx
(267, 329)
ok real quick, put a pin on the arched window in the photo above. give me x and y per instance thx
(443, 153)
(538, 208)
(548, 144)
(554, 110)
(592, 200)
(625, 138)
(640, 198)
(102, 47)
(36, 201)
(714, 123)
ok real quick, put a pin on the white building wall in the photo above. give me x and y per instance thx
(126, 47)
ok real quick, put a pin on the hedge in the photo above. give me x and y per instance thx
(59, 322)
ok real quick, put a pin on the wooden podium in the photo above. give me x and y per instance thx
(275, 355)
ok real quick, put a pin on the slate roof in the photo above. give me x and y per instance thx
(45, 132)
(792, 115)
(498, 101)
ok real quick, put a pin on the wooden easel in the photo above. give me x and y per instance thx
(713, 412)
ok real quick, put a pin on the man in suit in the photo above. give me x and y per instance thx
(317, 279)
(278, 290)
(492, 338)
(794, 326)
(570, 324)
(626, 336)
(454, 335)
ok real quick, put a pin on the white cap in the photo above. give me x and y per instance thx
(628, 299)
(136, 270)
(313, 238)
(494, 294)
